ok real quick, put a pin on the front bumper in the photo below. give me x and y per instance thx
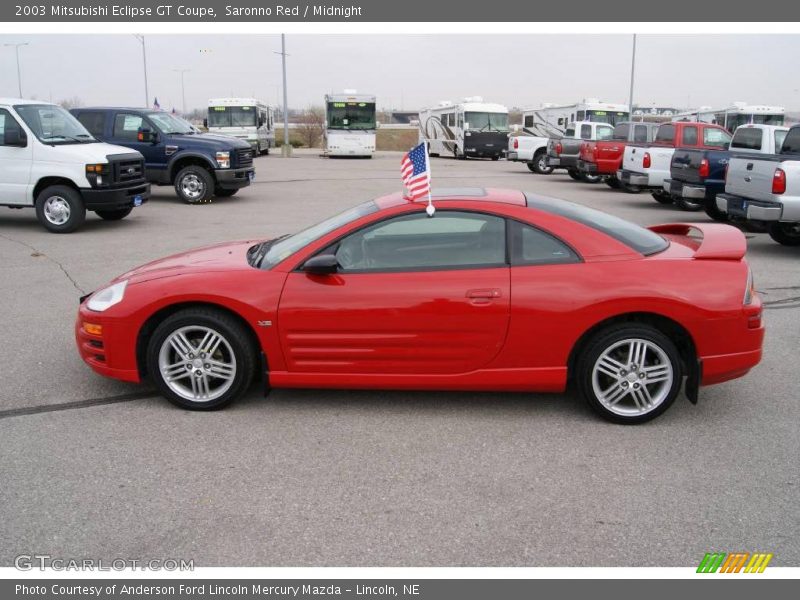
(681, 189)
(114, 198)
(233, 179)
(752, 210)
(110, 354)
(633, 178)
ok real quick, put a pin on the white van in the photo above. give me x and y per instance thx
(48, 161)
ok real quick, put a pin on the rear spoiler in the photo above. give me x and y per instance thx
(719, 242)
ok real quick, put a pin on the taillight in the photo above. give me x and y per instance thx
(516, 143)
(559, 148)
(646, 160)
(705, 170)
(779, 182)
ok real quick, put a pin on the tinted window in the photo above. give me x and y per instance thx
(748, 138)
(8, 124)
(690, 136)
(716, 137)
(604, 133)
(451, 239)
(640, 133)
(779, 137)
(621, 131)
(638, 238)
(528, 120)
(586, 132)
(127, 126)
(95, 122)
(791, 145)
(535, 247)
(666, 133)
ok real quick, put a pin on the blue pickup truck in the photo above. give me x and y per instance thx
(198, 165)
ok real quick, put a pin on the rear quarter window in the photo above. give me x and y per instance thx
(791, 145)
(716, 137)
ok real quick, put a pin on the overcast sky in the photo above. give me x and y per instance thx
(410, 71)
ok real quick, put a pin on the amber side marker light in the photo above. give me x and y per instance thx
(93, 329)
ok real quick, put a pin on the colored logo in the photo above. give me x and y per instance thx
(735, 562)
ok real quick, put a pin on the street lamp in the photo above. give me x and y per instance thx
(19, 77)
(633, 69)
(144, 62)
(286, 148)
(183, 88)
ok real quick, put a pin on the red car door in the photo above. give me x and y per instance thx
(412, 295)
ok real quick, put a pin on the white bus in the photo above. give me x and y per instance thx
(739, 113)
(470, 128)
(551, 120)
(246, 118)
(349, 124)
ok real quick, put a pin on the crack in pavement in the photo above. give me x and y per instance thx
(51, 259)
(43, 408)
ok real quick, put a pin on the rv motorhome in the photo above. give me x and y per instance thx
(245, 118)
(740, 113)
(469, 128)
(349, 124)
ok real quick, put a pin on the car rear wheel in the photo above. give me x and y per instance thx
(60, 209)
(629, 373)
(114, 215)
(194, 184)
(689, 205)
(201, 359)
(787, 234)
(710, 206)
(661, 197)
(539, 164)
(574, 174)
(613, 182)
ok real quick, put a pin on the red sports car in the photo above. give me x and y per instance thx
(499, 290)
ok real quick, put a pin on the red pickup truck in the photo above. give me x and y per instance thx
(602, 159)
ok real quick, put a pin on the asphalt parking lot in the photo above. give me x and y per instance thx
(91, 467)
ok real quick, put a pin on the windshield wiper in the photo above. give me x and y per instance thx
(258, 256)
(51, 140)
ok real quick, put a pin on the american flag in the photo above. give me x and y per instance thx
(156, 105)
(415, 172)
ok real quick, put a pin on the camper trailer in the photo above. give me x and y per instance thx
(472, 128)
(739, 113)
(248, 119)
(349, 124)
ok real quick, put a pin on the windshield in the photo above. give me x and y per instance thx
(351, 115)
(285, 247)
(168, 124)
(486, 121)
(53, 125)
(606, 116)
(232, 116)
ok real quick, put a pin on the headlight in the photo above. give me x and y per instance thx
(95, 173)
(107, 297)
(224, 160)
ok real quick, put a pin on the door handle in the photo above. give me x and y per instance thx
(486, 294)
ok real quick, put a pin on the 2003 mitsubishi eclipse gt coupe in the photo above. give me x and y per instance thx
(499, 290)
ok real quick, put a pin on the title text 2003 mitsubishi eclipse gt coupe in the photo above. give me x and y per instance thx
(499, 290)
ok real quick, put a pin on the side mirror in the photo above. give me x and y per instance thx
(324, 264)
(15, 137)
(205, 123)
(147, 136)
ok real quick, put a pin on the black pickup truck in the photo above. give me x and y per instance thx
(697, 176)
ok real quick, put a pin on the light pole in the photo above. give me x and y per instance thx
(144, 63)
(19, 76)
(286, 148)
(633, 72)
(183, 88)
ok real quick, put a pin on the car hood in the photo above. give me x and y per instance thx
(226, 256)
(209, 140)
(95, 152)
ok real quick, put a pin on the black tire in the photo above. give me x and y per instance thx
(630, 189)
(201, 178)
(60, 209)
(539, 164)
(233, 332)
(608, 338)
(265, 151)
(661, 197)
(710, 206)
(574, 174)
(588, 178)
(495, 158)
(613, 183)
(786, 234)
(225, 193)
(114, 215)
(689, 205)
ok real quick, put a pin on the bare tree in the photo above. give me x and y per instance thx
(311, 125)
(69, 103)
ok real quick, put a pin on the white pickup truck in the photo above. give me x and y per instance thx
(48, 161)
(530, 149)
(766, 189)
(648, 165)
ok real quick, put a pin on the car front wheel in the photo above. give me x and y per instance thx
(60, 209)
(114, 214)
(629, 373)
(661, 197)
(201, 359)
(539, 164)
(194, 184)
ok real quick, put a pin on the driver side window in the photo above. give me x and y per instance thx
(415, 242)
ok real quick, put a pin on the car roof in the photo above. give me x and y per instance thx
(505, 196)
(14, 101)
(131, 108)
